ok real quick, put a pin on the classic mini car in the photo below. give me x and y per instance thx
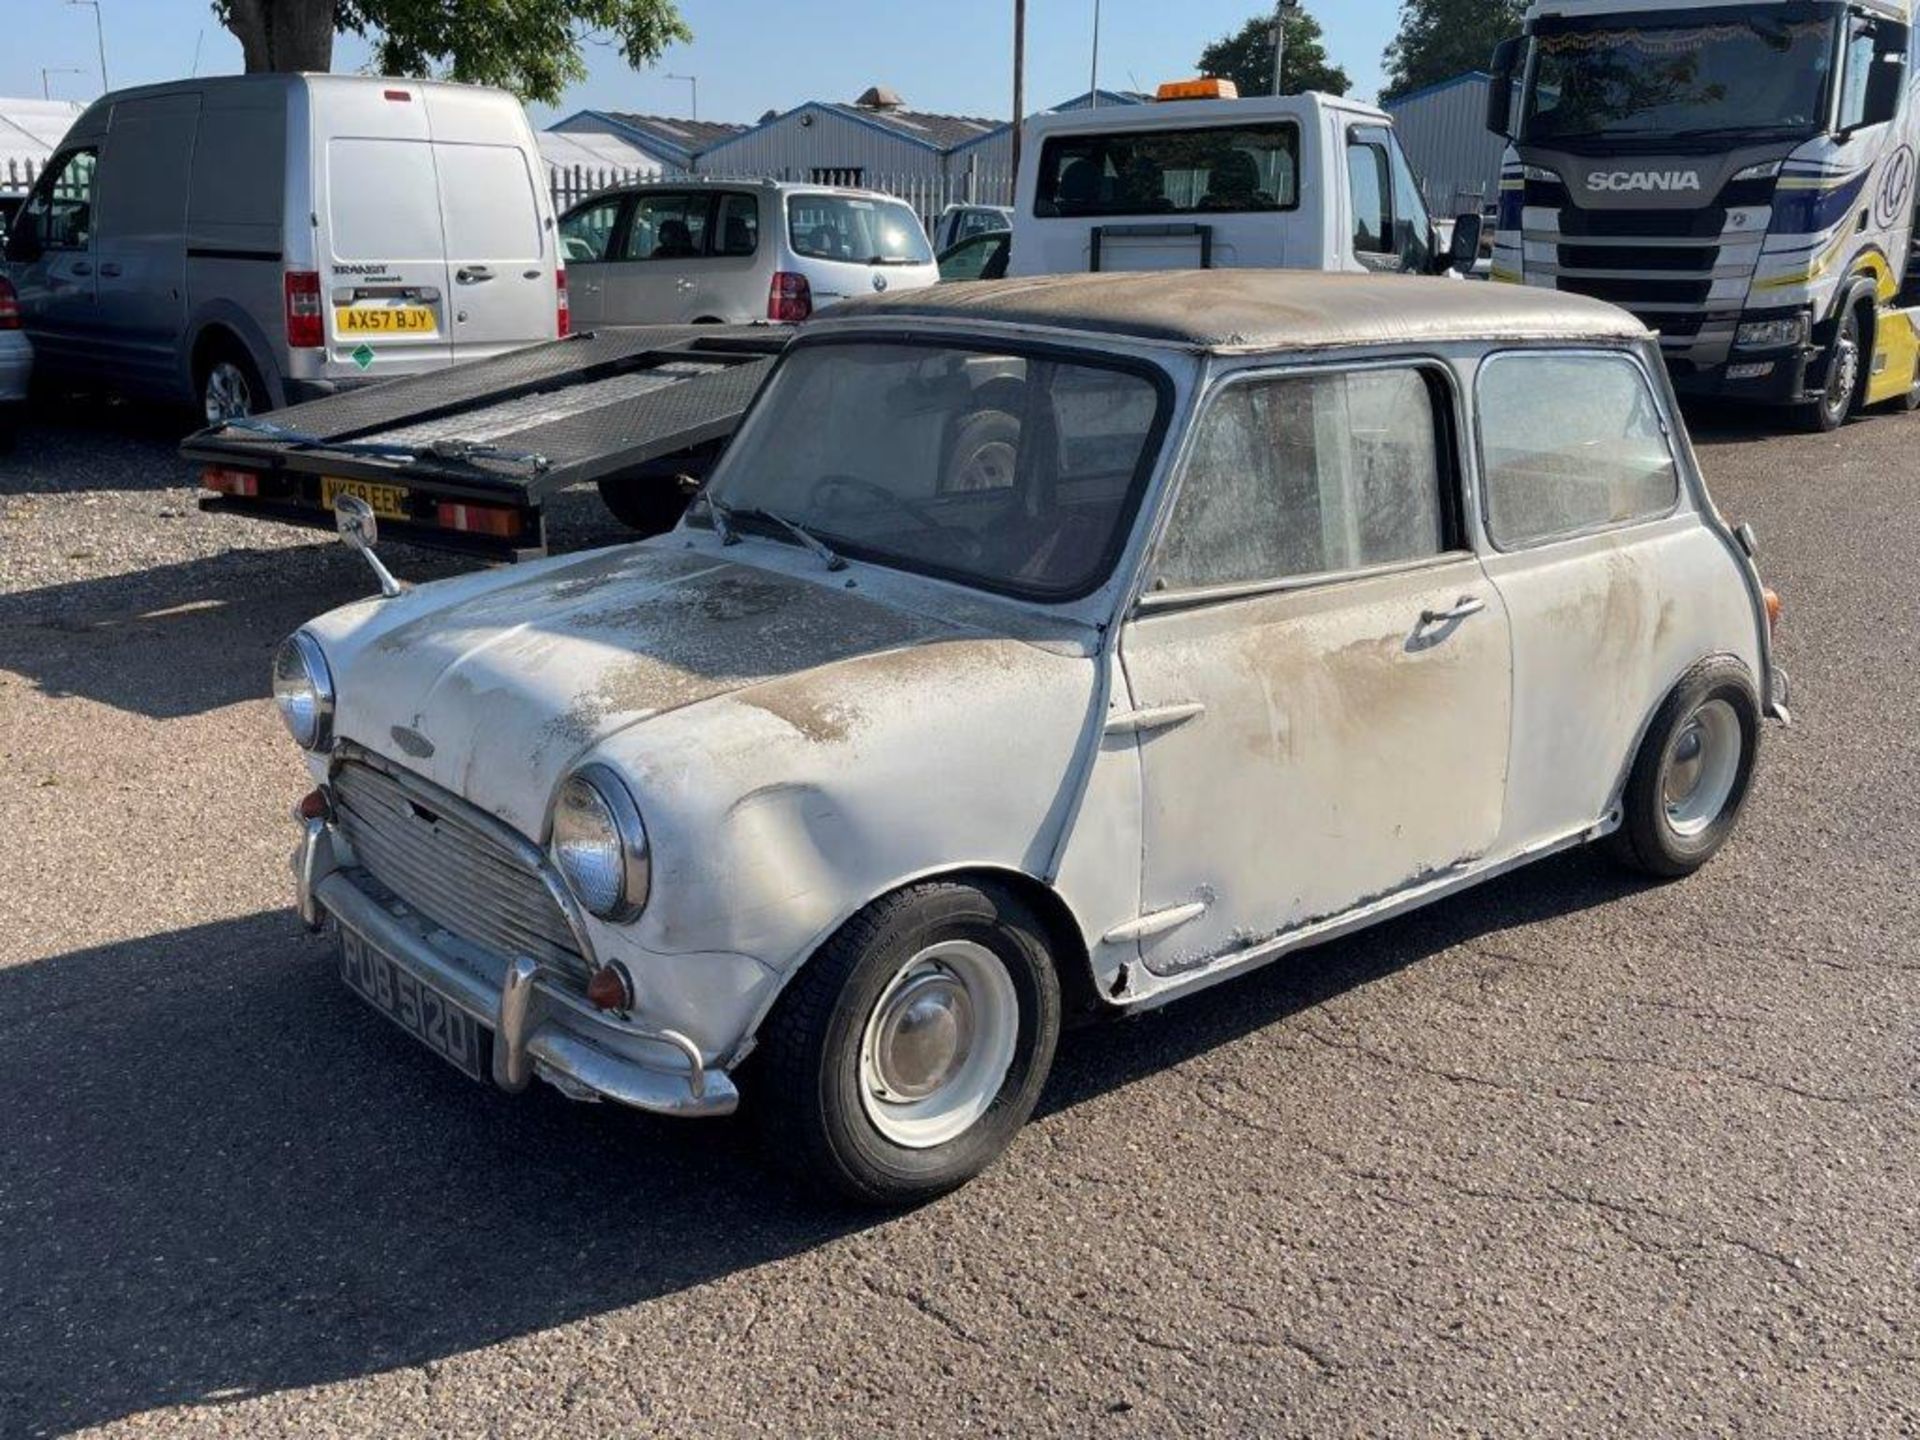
(1038, 649)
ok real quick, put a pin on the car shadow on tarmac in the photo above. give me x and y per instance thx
(225, 1176)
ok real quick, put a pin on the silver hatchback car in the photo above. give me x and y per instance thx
(699, 252)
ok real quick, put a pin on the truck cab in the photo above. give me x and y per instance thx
(1739, 176)
(1202, 179)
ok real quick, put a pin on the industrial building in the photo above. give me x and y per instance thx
(1443, 128)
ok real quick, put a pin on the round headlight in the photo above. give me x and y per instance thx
(303, 690)
(600, 846)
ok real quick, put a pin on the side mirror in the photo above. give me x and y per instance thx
(1506, 63)
(361, 530)
(1886, 83)
(1468, 231)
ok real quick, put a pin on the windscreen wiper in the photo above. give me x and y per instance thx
(457, 451)
(831, 557)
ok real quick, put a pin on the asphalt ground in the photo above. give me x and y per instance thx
(1568, 1155)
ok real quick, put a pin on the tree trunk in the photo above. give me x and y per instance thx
(283, 35)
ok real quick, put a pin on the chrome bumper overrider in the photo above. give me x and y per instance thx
(540, 1027)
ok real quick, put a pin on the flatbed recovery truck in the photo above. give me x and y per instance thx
(466, 459)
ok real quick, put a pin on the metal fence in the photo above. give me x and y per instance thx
(927, 194)
(18, 174)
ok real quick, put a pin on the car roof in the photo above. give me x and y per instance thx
(1245, 309)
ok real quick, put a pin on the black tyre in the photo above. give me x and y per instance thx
(1846, 369)
(1690, 778)
(985, 454)
(228, 384)
(904, 1058)
(650, 505)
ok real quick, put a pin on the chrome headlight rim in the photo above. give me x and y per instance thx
(629, 832)
(314, 670)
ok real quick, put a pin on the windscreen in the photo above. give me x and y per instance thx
(1020, 473)
(1759, 72)
(860, 229)
(1170, 172)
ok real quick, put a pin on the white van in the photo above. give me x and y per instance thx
(1298, 182)
(674, 252)
(251, 241)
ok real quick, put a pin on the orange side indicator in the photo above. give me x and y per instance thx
(1772, 597)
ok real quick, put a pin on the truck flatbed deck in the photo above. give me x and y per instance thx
(465, 459)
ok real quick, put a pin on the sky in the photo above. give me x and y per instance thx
(749, 56)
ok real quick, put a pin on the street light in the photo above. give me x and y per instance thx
(100, 33)
(1093, 81)
(1282, 9)
(693, 83)
(46, 74)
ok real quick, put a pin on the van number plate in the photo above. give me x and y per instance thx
(384, 320)
(389, 502)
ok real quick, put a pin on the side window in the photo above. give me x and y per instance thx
(1391, 228)
(1310, 475)
(1412, 226)
(739, 225)
(668, 227)
(1368, 177)
(1863, 49)
(1571, 443)
(59, 213)
(587, 234)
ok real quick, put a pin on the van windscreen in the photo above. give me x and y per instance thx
(1214, 169)
(859, 229)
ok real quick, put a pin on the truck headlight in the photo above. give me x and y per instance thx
(303, 691)
(600, 846)
(1772, 334)
(1765, 170)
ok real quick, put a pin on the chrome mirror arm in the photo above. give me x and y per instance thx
(360, 529)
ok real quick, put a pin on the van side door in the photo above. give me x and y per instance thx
(141, 246)
(1319, 667)
(50, 258)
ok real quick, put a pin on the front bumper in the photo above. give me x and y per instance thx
(1785, 382)
(540, 1026)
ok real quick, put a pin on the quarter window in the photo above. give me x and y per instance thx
(1310, 475)
(1571, 443)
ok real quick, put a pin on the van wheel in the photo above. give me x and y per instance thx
(650, 506)
(230, 387)
(1842, 391)
(903, 1059)
(1691, 775)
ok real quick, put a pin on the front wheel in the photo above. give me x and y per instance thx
(1840, 395)
(1690, 778)
(904, 1058)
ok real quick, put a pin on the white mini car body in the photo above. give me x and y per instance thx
(1041, 647)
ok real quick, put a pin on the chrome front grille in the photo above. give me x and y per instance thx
(454, 871)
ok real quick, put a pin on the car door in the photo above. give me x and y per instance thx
(140, 249)
(51, 260)
(588, 235)
(1320, 668)
(654, 278)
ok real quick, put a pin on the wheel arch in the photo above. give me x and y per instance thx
(1616, 796)
(225, 323)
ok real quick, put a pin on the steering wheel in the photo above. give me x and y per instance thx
(912, 509)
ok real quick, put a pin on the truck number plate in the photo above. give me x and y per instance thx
(389, 502)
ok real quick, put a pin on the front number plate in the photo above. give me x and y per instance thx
(389, 502)
(416, 1007)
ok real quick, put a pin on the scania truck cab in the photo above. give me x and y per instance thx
(1739, 176)
(1203, 179)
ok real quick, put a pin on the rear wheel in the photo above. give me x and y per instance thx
(1840, 396)
(229, 385)
(904, 1058)
(651, 505)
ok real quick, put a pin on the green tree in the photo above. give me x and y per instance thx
(1246, 58)
(531, 47)
(1439, 39)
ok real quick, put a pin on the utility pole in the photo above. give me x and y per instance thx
(1281, 10)
(1019, 78)
(1093, 79)
(46, 81)
(100, 33)
(693, 83)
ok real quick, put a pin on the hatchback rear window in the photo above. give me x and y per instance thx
(856, 229)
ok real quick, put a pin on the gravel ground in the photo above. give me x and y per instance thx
(1567, 1155)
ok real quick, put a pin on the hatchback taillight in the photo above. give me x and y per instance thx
(9, 306)
(790, 300)
(305, 330)
(563, 308)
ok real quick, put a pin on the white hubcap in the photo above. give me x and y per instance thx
(1701, 764)
(938, 1044)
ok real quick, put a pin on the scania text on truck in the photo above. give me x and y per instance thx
(1739, 176)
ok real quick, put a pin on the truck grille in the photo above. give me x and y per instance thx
(451, 870)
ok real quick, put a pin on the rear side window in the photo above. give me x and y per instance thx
(492, 210)
(1225, 168)
(1571, 443)
(739, 226)
(1310, 475)
(856, 229)
(383, 200)
(668, 227)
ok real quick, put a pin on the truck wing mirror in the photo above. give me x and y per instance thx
(1506, 61)
(1464, 253)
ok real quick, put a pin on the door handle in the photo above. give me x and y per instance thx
(591, 289)
(1463, 608)
(474, 275)
(83, 267)
(110, 269)
(683, 284)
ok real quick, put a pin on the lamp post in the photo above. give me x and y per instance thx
(46, 80)
(1282, 10)
(100, 33)
(1019, 78)
(693, 84)
(1093, 79)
